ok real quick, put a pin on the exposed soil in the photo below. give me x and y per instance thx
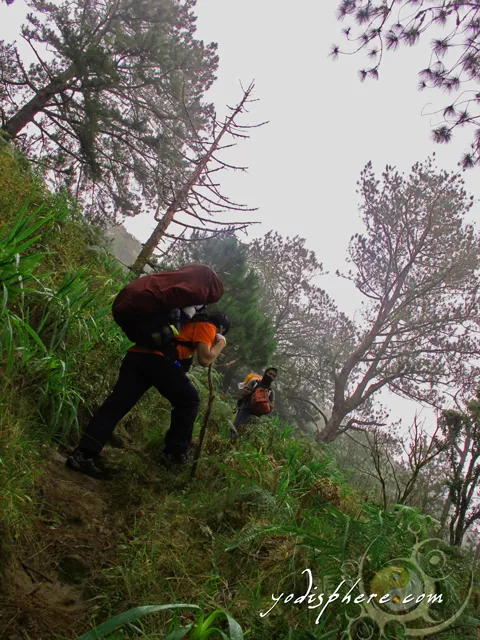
(50, 580)
(45, 581)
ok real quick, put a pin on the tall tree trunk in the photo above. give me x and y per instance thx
(409, 487)
(458, 537)
(331, 429)
(445, 511)
(27, 113)
(384, 493)
(153, 241)
(159, 231)
(457, 527)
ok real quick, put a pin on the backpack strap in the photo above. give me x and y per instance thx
(250, 391)
(198, 317)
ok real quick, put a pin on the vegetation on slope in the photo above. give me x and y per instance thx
(76, 551)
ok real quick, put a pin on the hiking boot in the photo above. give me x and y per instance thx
(78, 462)
(171, 461)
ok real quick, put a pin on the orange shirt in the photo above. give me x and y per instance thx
(196, 332)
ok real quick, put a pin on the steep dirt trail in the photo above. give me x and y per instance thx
(46, 579)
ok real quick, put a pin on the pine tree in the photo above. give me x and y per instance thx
(454, 64)
(199, 199)
(251, 342)
(119, 103)
(309, 330)
(417, 267)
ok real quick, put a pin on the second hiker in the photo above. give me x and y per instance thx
(257, 399)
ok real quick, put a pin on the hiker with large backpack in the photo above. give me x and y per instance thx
(256, 400)
(151, 309)
(159, 313)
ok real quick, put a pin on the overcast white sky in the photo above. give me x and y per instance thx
(324, 123)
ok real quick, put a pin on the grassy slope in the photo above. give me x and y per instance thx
(74, 550)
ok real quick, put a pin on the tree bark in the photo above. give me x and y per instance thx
(409, 486)
(153, 241)
(159, 231)
(457, 526)
(27, 113)
(331, 429)
(445, 512)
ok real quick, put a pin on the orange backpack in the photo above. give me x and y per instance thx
(260, 401)
(251, 376)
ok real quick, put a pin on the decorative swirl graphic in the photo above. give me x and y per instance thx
(401, 592)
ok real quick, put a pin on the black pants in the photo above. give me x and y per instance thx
(139, 372)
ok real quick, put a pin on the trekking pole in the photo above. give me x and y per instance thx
(211, 397)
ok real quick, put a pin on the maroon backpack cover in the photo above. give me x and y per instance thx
(150, 295)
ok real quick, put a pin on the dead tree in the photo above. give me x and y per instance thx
(200, 197)
(418, 449)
